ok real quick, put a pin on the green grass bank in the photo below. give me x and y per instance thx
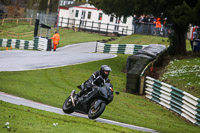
(52, 86)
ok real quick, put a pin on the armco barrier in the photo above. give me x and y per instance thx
(118, 48)
(37, 43)
(174, 99)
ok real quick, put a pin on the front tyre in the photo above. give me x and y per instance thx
(68, 106)
(94, 113)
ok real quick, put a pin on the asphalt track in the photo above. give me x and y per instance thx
(21, 60)
(21, 101)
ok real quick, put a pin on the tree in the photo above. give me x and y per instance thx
(30, 4)
(81, 1)
(6, 2)
(180, 13)
(43, 6)
(53, 5)
(48, 6)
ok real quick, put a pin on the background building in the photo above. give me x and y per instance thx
(87, 16)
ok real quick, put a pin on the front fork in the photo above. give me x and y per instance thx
(72, 97)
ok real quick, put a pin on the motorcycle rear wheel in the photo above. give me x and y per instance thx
(68, 106)
(94, 113)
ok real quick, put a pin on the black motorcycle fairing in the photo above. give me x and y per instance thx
(106, 92)
(90, 96)
(103, 92)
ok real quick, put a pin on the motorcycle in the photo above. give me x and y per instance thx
(92, 103)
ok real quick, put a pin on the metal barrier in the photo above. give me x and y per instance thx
(150, 29)
(174, 99)
(118, 48)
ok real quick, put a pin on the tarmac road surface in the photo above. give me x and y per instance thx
(21, 101)
(21, 60)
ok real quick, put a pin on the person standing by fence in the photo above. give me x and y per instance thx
(56, 39)
(158, 26)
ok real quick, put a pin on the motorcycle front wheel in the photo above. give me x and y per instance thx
(68, 106)
(94, 113)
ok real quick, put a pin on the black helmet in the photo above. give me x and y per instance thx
(103, 69)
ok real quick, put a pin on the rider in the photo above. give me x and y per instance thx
(93, 80)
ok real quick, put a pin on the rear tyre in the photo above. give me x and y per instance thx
(68, 106)
(94, 113)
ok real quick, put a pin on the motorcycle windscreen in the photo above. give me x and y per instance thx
(99, 81)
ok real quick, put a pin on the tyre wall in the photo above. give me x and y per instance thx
(137, 63)
(118, 48)
(37, 43)
(174, 99)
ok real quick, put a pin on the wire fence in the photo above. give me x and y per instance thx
(16, 21)
(48, 19)
(150, 29)
(9, 23)
(9, 34)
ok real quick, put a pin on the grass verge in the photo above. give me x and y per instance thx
(184, 73)
(145, 40)
(67, 36)
(21, 119)
(52, 86)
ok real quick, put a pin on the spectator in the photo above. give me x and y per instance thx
(158, 26)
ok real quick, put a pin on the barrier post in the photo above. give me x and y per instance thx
(107, 28)
(96, 46)
(68, 23)
(30, 21)
(61, 21)
(17, 21)
(142, 79)
(2, 21)
(92, 26)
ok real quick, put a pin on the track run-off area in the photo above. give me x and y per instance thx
(22, 60)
